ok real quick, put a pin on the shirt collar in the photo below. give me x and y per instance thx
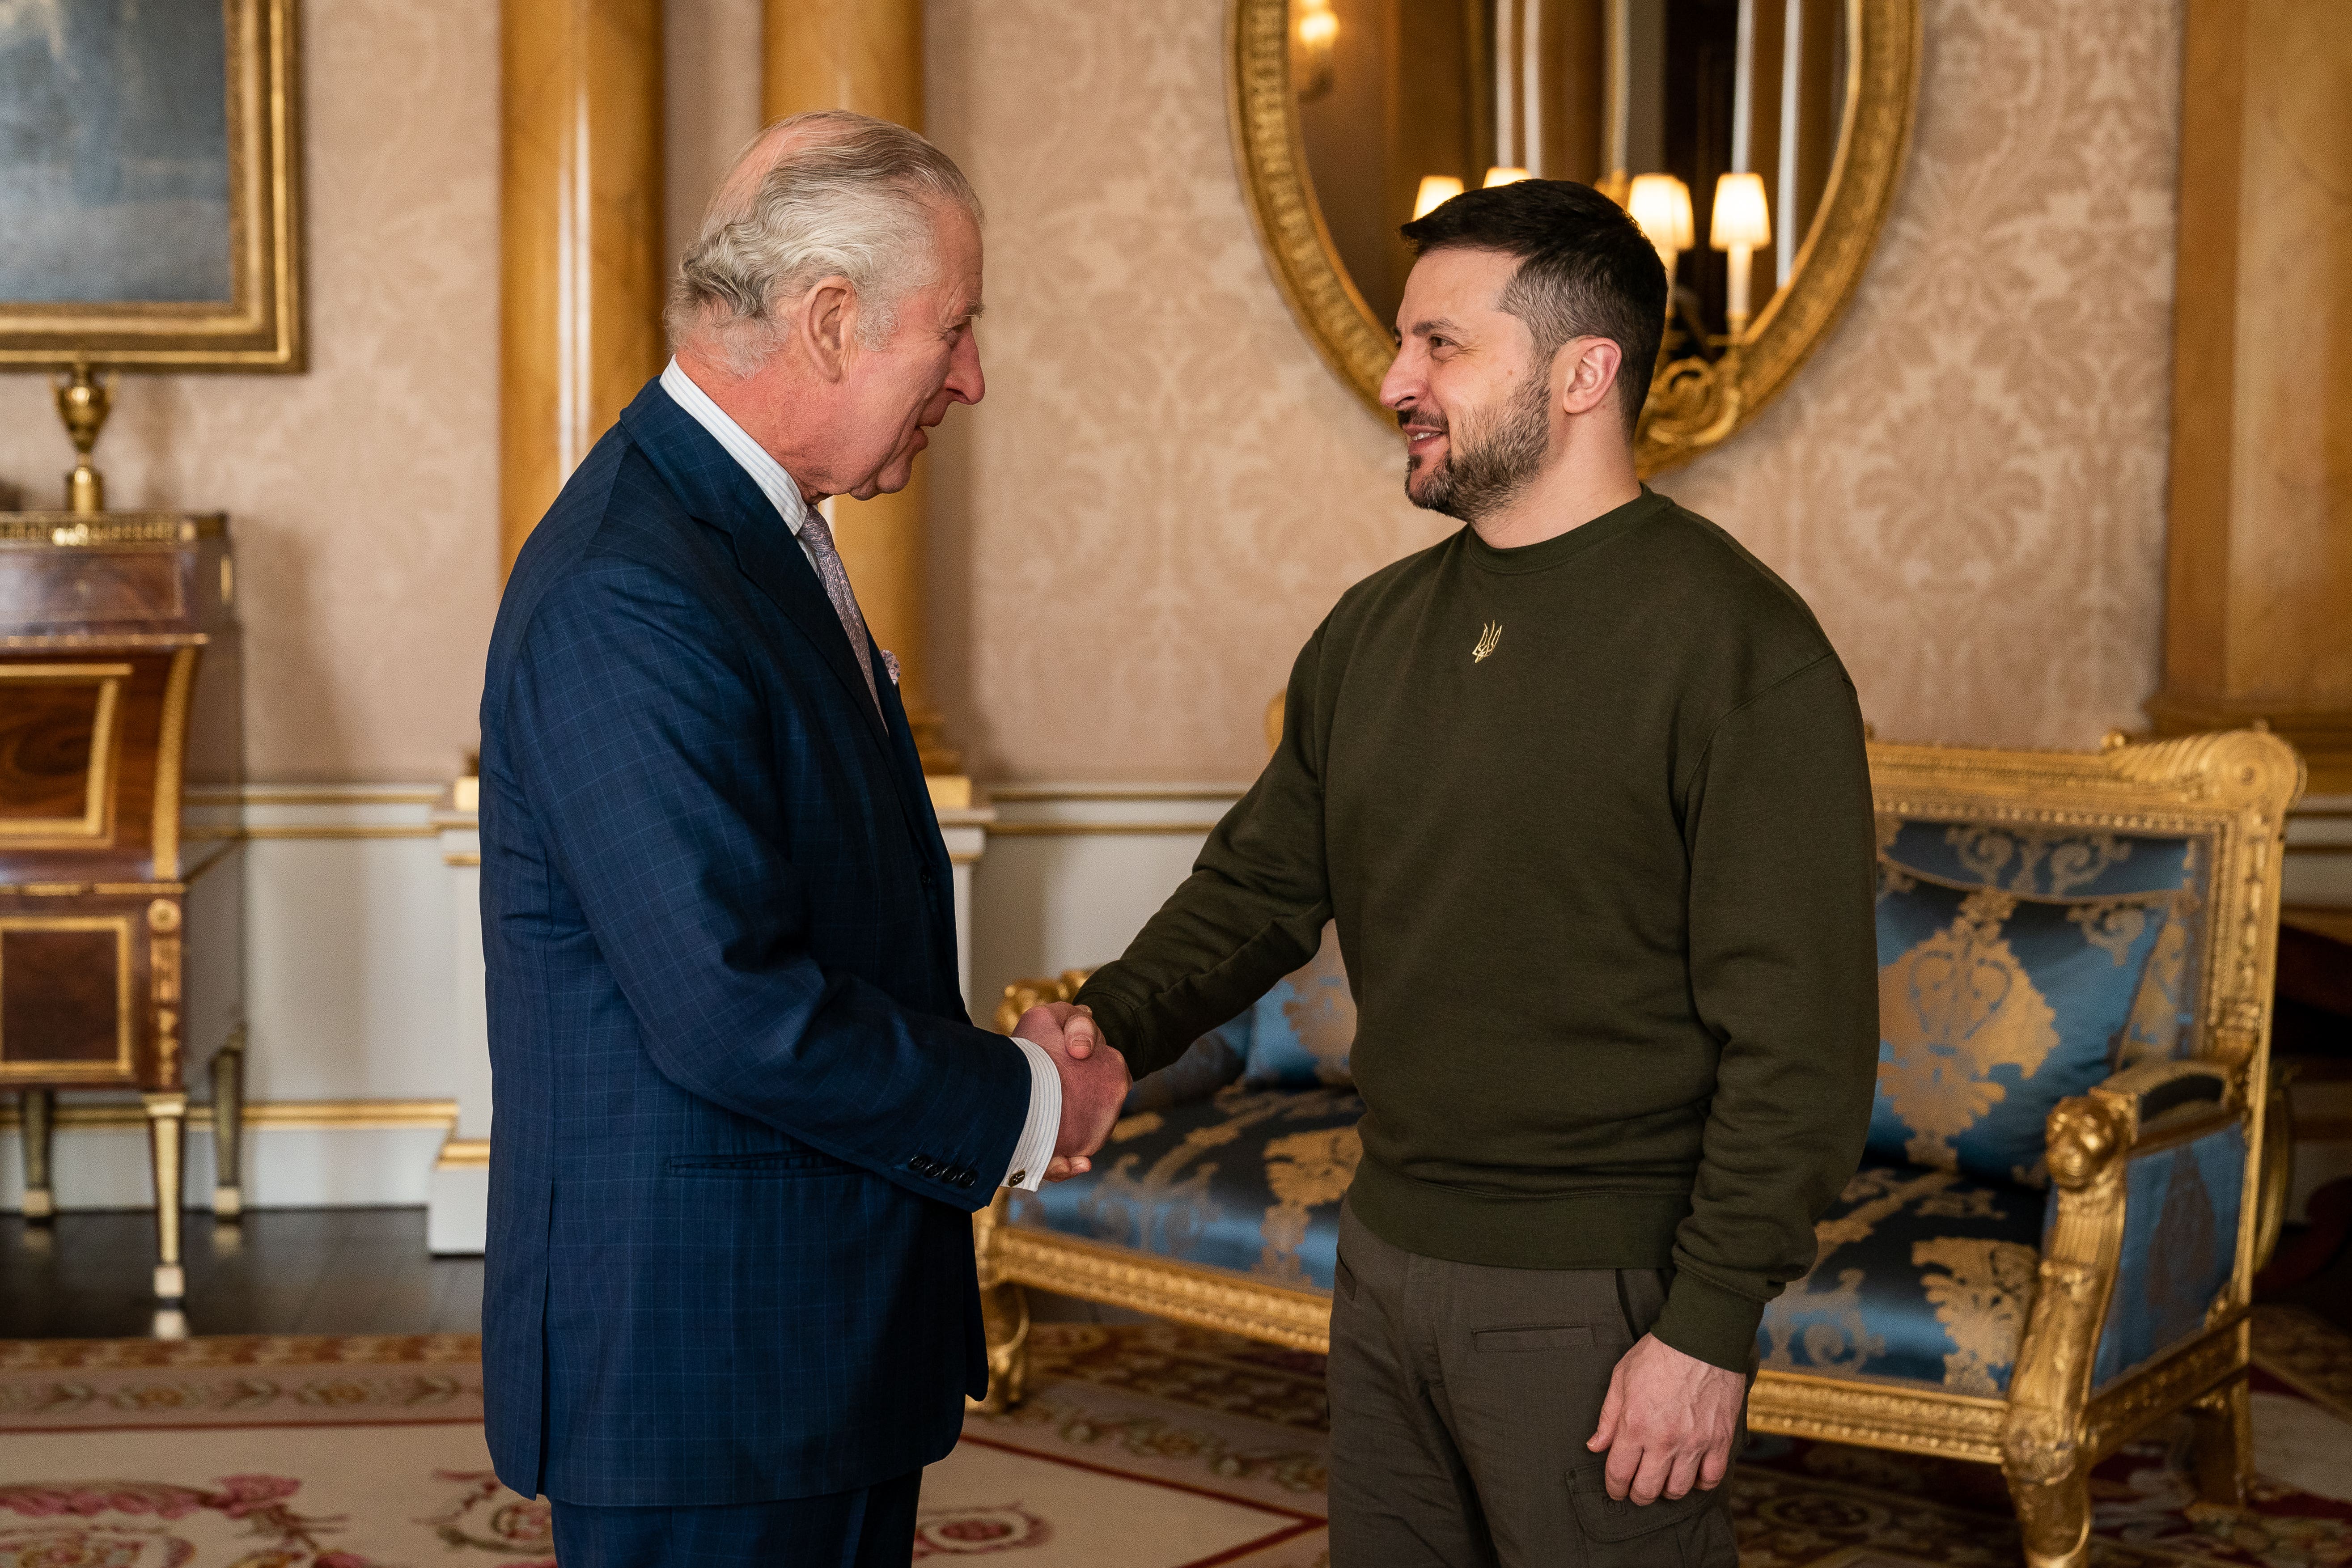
(753, 459)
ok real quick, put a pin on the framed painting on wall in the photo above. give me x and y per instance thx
(150, 184)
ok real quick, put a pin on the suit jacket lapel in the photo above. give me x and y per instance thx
(715, 488)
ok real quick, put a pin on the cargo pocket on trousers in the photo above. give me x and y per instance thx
(1643, 1529)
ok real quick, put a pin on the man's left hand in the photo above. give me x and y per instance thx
(1668, 1423)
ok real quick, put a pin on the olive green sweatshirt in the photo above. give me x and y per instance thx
(1593, 817)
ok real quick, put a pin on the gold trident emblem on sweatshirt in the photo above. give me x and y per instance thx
(1487, 638)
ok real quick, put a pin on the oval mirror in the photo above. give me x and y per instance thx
(1757, 141)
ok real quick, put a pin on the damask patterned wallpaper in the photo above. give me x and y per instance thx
(1165, 489)
(364, 494)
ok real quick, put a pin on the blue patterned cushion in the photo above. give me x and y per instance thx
(2180, 1243)
(2046, 862)
(2017, 969)
(1922, 1276)
(1301, 1031)
(1248, 1180)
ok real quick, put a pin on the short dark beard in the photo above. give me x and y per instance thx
(1479, 477)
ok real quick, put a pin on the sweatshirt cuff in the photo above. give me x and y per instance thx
(1704, 1319)
(1044, 1127)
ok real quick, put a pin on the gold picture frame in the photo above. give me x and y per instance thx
(1683, 418)
(260, 326)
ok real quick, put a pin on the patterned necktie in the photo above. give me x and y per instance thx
(818, 533)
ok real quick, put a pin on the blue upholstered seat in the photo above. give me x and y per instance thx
(1922, 1277)
(1248, 1180)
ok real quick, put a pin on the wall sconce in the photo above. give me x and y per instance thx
(1436, 190)
(1317, 31)
(1661, 204)
(1503, 174)
(1742, 225)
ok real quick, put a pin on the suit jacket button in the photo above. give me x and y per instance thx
(966, 1178)
(922, 1165)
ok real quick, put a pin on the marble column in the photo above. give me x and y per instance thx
(868, 54)
(581, 266)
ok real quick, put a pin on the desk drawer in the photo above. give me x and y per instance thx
(82, 589)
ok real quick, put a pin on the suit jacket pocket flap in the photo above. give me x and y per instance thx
(1603, 1518)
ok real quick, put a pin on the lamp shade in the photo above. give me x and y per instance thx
(1661, 204)
(1741, 217)
(1436, 190)
(1505, 174)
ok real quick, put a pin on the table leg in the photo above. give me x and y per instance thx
(229, 1129)
(166, 1120)
(37, 1110)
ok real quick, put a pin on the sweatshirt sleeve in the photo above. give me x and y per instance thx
(1783, 967)
(1253, 910)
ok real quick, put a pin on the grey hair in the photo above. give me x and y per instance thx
(856, 204)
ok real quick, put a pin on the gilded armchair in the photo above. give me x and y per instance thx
(2052, 1241)
(2045, 917)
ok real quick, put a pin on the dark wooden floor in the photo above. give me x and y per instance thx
(283, 1271)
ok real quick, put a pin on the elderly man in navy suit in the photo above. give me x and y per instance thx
(742, 1117)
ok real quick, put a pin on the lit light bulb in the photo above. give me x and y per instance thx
(1661, 204)
(1741, 224)
(1311, 63)
(1505, 174)
(1436, 190)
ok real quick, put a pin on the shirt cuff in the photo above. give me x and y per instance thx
(1035, 1151)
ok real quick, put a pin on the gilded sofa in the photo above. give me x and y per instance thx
(2050, 1242)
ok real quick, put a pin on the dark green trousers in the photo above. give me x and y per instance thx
(1462, 1397)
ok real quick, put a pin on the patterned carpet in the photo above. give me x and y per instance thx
(1149, 1446)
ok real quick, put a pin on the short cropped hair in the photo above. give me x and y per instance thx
(1586, 269)
(855, 201)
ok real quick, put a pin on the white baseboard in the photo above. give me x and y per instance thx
(108, 1168)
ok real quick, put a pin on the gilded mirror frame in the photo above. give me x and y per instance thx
(1687, 413)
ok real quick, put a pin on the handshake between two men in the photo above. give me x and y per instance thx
(1094, 1082)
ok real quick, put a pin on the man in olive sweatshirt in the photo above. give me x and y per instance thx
(1584, 787)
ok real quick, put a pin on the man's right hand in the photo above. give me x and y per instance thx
(1094, 1082)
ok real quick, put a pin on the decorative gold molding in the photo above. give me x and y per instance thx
(260, 327)
(280, 795)
(170, 758)
(463, 1154)
(2157, 1390)
(474, 857)
(1881, 102)
(1207, 1297)
(1923, 1421)
(277, 1116)
(315, 830)
(112, 529)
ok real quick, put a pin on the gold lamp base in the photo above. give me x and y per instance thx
(83, 403)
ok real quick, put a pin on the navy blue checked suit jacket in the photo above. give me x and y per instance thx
(741, 1118)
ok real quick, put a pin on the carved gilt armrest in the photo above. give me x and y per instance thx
(2093, 1141)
